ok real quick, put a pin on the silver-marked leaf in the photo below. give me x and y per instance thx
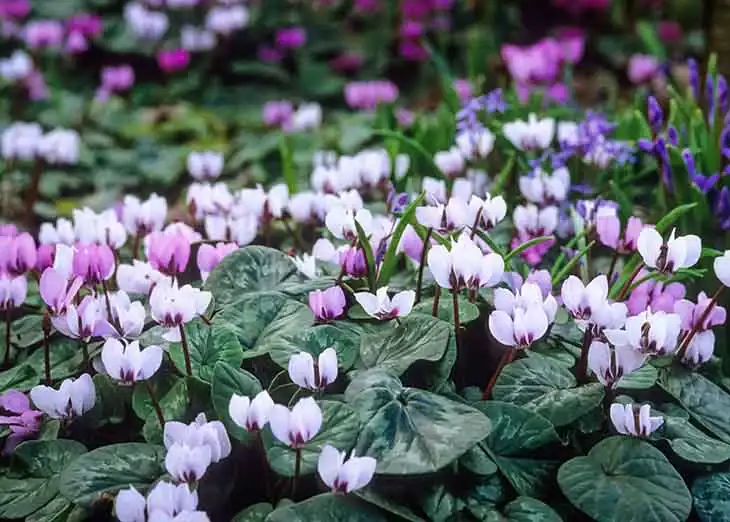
(111, 468)
(525, 509)
(328, 508)
(173, 404)
(259, 321)
(712, 497)
(22, 378)
(547, 388)
(411, 431)
(468, 312)
(344, 337)
(208, 345)
(624, 479)
(642, 379)
(692, 444)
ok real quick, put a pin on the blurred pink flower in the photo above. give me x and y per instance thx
(368, 95)
(43, 33)
(291, 38)
(669, 31)
(173, 60)
(347, 62)
(642, 68)
(86, 24)
(463, 89)
(23, 421)
(14, 9)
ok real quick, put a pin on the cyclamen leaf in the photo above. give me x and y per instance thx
(328, 508)
(624, 479)
(712, 497)
(208, 345)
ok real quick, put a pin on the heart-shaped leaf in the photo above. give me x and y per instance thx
(468, 312)
(227, 381)
(174, 405)
(111, 468)
(524, 509)
(419, 337)
(208, 345)
(623, 479)
(547, 388)
(340, 426)
(411, 431)
(692, 444)
(259, 321)
(328, 508)
(252, 269)
(706, 402)
(344, 337)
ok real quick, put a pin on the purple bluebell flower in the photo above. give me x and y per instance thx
(721, 208)
(702, 182)
(710, 99)
(723, 99)
(694, 78)
(673, 136)
(655, 115)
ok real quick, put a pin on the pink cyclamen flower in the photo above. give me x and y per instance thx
(691, 313)
(655, 295)
(43, 33)
(168, 253)
(17, 254)
(572, 43)
(209, 256)
(173, 60)
(368, 95)
(382, 307)
(76, 43)
(86, 24)
(56, 291)
(642, 68)
(277, 113)
(464, 89)
(291, 37)
(117, 78)
(413, 50)
(669, 31)
(327, 305)
(23, 421)
(8, 230)
(404, 117)
(93, 263)
(608, 227)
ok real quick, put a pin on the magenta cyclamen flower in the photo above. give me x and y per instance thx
(43, 33)
(14, 9)
(168, 253)
(17, 254)
(654, 294)
(17, 415)
(291, 38)
(277, 113)
(327, 305)
(117, 79)
(642, 68)
(691, 313)
(173, 60)
(85, 24)
(210, 256)
(93, 263)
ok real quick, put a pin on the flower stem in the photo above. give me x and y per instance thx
(46, 347)
(8, 323)
(155, 404)
(297, 470)
(627, 284)
(264, 464)
(696, 327)
(614, 260)
(506, 358)
(457, 324)
(422, 266)
(186, 350)
(436, 297)
(581, 370)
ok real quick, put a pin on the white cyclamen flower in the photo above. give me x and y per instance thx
(344, 476)
(73, 398)
(198, 433)
(127, 363)
(582, 300)
(610, 365)
(251, 415)
(676, 253)
(297, 426)
(722, 268)
(382, 307)
(649, 333)
(303, 373)
(205, 165)
(532, 134)
(628, 421)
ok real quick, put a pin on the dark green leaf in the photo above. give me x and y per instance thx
(208, 345)
(419, 337)
(255, 513)
(525, 509)
(344, 337)
(623, 479)
(692, 444)
(173, 404)
(67, 356)
(712, 497)
(328, 508)
(468, 312)
(21, 378)
(411, 431)
(391, 254)
(111, 468)
(547, 388)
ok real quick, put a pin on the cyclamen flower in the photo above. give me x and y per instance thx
(56, 291)
(721, 265)
(166, 502)
(491, 211)
(307, 265)
(608, 227)
(464, 266)
(477, 143)
(544, 189)
(304, 373)
(168, 253)
(127, 364)
(610, 365)
(341, 222)
(62, 232)
(581, 301)
(532, 134)
(521, 318)
(128, 316)
(93, 263)
(251, 415)
(142, 217)
(638, 423)
(17, 254)
(200, 432)
(13, 292)
(327, 305)
(173, 60)
(450, 162)
(455, 215)
(531, 221)
(297, 426)
(381, 307)
(60, 147)
(205, 165)
(21, 141)
(649, 333)
(139, 277)
(675, 254)
(344, 476)
(83, 321)
(172, 306)
(210, 256)
(22, 421)
(102, 229)
(187, 463)
(74, 398)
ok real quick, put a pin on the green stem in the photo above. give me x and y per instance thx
(155, 404)
(422, 266)
(186, 351)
